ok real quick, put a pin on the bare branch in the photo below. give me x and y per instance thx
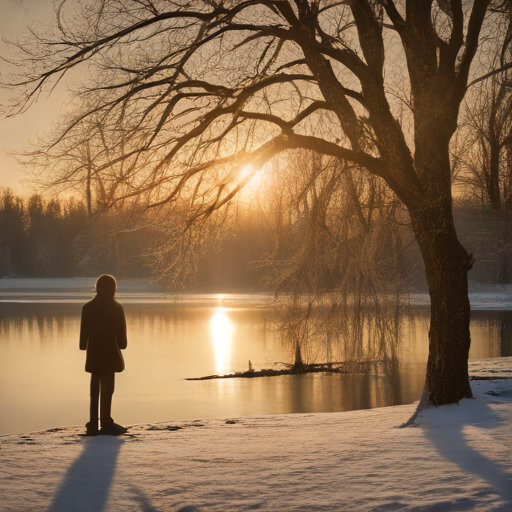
(472, 36)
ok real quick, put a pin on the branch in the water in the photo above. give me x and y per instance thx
(363, 367)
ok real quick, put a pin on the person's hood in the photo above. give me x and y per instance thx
(106, 285)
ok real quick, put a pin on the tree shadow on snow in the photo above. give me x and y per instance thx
(451, 443)
(143, 500)
(87, 483)
(145, 504)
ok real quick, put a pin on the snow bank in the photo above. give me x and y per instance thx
(500, 367)
(486, 297)
(453, 458)
(77, 290)
(482, 297)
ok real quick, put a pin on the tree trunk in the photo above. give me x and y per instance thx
(446, 265)
(88, 193)
(299, 363)
(506, 238)
(506, 334)
(493, 177)
(446, 261)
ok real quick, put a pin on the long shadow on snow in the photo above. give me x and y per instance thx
(87, 483)
(452, 444)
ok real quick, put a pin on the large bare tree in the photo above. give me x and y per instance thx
(205, 88)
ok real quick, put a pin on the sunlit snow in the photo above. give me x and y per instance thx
(454, 458)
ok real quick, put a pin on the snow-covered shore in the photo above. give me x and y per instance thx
(76, 290)
(453, 458)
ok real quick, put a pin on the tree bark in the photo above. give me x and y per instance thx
(446, 265)
(506, 334)
(493, 181)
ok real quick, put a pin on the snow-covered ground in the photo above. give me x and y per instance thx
(77, 290)
(486, 297)
(453, 458)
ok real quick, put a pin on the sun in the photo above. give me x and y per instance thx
(245, 171)
(253, 181)
(253, 175)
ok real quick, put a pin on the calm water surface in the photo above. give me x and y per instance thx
(43, 383)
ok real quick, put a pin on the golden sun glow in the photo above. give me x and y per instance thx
(245, 171)
(254, 178)
(221, 329)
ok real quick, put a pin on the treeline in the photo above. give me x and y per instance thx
(37, 236)
(58, 238)
(486, 234)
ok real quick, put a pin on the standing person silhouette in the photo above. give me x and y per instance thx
(103, 334)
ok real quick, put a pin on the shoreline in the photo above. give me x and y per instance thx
(452, 458)
(499, 368)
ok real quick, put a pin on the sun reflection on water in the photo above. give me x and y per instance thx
(221, 329)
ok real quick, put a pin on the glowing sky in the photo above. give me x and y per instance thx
(15, 133)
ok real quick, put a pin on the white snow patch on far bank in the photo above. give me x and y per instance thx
(482, 297)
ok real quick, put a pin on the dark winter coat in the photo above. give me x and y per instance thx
(103, 334)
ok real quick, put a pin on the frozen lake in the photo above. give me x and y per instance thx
(43, 383)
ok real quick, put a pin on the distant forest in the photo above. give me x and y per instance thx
(42, 237)
(58, 238)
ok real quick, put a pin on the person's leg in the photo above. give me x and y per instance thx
(107, 380)
(92, 426)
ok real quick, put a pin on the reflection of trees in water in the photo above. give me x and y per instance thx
(49, 319)
(332, 331)
(11, 325)
(364, 333)
(42, 321)
(339, 255)
(506, 334)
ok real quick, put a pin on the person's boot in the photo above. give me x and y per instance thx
(113, 429)
(92, 428)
